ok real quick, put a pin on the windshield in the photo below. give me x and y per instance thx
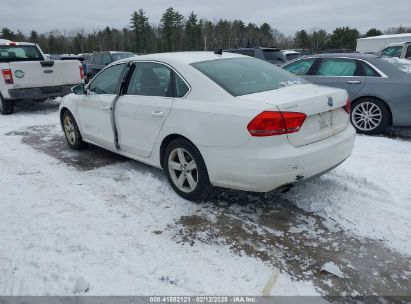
(242, 76)
(119, 56)
(403, 65)
(19, 53)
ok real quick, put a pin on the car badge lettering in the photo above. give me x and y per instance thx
(19, 73)
(48, 71)
(330, 101)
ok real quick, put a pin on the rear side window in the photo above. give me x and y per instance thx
(242, 76)
(392, 51)
(337, 67)
(19, 53)
(181, 88)
(300, 67)
(369, 71)
(108, 80)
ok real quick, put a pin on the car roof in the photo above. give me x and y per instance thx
(345, 55)
(404, 35)
(184, 57)
(399, 43)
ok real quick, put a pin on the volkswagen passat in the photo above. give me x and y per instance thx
(212, 120)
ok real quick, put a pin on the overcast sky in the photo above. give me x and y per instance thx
(286, 15)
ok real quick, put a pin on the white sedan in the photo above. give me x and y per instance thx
(211, 119)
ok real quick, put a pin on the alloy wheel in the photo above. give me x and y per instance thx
(69, 130)
(183, 170)
(366, 116)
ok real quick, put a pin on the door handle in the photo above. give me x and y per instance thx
(353, 82)
(158, 114)
(105, 108)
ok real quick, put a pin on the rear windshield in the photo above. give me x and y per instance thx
(19, 53)
(119, 56)
(242, 76)
(275, 55)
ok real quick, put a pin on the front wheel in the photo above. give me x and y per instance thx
(71, 131)
(6, 106)
(370, 116)
(186, 170)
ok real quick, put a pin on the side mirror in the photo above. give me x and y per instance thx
(79, 89)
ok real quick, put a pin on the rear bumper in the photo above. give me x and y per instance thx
(263, 169)
(40, 93)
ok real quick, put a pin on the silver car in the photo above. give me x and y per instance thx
(379, 87)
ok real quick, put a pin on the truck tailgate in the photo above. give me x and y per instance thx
(33, 74)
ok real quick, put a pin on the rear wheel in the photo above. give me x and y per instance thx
(370, 116)
(6, 106)
(71, 131)
(186, 170)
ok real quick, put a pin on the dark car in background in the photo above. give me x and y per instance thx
(272, 55)
(379, 87)
(97, 61)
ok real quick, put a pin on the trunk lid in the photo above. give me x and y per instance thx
(323, 106)
(32, 74)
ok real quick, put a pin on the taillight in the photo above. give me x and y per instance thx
(271, 123)
(8, 76)
(347, 106)
(82, 76)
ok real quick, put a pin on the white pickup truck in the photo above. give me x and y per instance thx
(25, 74)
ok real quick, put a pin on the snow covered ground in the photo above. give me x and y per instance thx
(117, 229)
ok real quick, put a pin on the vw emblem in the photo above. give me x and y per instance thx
(330, 101)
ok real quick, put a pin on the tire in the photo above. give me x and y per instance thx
(370, 116)
(195, 182)
(71, 131)
(6, 106)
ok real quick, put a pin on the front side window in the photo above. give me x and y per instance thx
(242, 76)
(19, 53)
(151, 79)
(108, 80)
(337, 67)
(392, 51)
(300, 67)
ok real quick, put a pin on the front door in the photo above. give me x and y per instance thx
(144, 107)
(94, 108)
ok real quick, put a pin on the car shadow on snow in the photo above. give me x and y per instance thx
(264, 226)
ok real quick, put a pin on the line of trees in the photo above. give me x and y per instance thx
(177, 32)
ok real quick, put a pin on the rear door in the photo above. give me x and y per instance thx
(343, 73)
(144, 107)
(94, 108)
